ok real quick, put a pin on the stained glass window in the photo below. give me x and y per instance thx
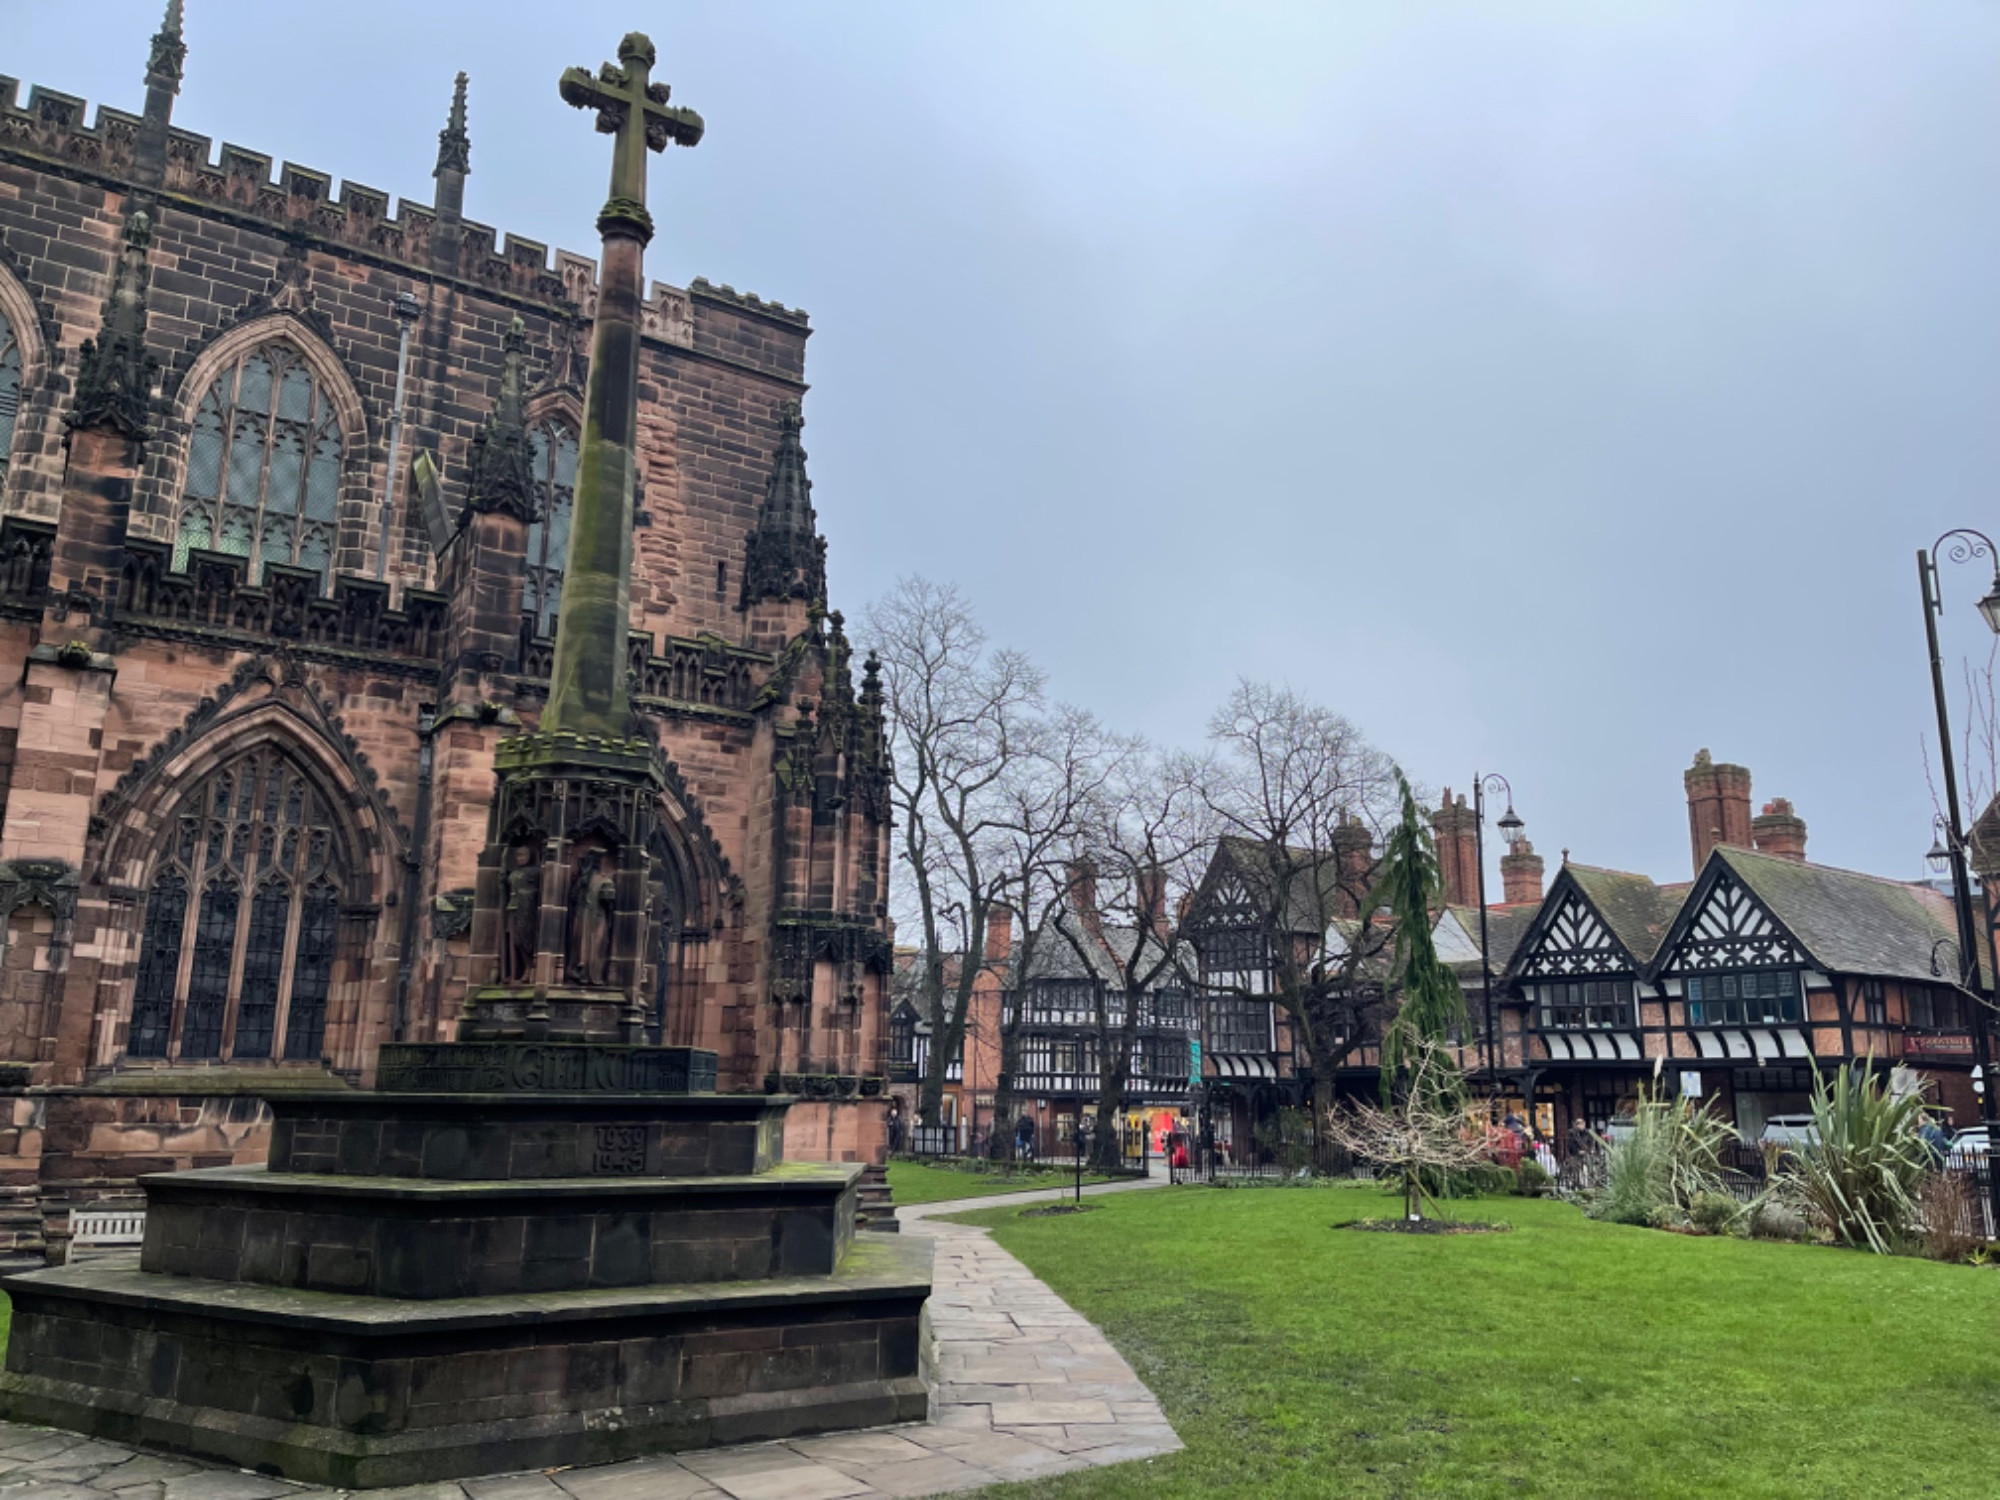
(263, 472)
(241, 920)
(306, 1032)
(548, 539)
(159, 966)
(10, 387)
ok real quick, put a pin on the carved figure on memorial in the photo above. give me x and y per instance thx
(524, 901)
(593, 901)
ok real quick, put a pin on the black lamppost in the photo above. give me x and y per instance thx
(1966, 545)
(1510, 826)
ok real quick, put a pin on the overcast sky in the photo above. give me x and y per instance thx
(1554, 389)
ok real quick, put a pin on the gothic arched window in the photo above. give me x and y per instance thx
(237, 954)
(10, 387)
(548, 538)
(263, 471)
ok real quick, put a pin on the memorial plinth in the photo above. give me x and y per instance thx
(546, 1242)
(425, 1284)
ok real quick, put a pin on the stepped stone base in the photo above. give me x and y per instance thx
(427, 1239)
(370, 1391)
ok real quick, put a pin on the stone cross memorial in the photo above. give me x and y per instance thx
(546, 1242)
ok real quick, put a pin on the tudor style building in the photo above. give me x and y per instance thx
(1734, 987)
(1050, 1001)
(285, 490)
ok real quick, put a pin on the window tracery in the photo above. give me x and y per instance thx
(555, 452)
(10, 388)
(241, 920)
(263, 470)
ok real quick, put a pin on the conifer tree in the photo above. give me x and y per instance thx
(1409, 887)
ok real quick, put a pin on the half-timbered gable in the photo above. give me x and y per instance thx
(1581, 969)
(1735, 977)
(1776, 966)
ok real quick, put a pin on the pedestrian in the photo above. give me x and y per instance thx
(1937, 1145)
(1024, 1139)
(895, 1125)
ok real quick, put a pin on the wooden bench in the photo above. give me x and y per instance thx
(96, 1229)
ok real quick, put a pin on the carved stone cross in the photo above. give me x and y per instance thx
(635, 110)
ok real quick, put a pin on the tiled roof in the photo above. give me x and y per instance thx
(1637, 911)
(1056, 956)
(1849, 922)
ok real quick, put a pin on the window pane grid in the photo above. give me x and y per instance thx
(260, 485)
(1769, 997)
(258, 949)
(10, 388)
(555, 454)
(1581, 1005)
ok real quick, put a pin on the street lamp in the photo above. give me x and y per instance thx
(1966, 545)
(1510, 826)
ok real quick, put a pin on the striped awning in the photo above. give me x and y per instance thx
(1243, 1065)
(1592, 1046)
(1756, 1045)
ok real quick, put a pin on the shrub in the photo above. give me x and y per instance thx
(1287, 1139)
(1662, 1216)
(1775, 1219)
(1949, 1209)
(1532, 1180)
(1491, 1180)
(1672, 1156)
(1860, 1177)
(1714, 1213)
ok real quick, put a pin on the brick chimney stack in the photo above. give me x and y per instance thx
(1779, 831)
(1082, 899)
(1718, 806)
(999, 935)
(1521, 875)
(1152, 894)
(1457, 834)
(1354, 858)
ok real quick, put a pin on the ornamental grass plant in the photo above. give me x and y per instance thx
(1672, 1157)
(1860, 1176)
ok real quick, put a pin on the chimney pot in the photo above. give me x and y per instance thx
(1779, 831)
(1521, 874)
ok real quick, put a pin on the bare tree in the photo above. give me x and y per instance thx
(961, 719)
(1142, 846)
(1067, 762)
(1298, 798)
(1423, 1139)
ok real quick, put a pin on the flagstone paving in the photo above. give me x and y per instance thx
(1025, 1387)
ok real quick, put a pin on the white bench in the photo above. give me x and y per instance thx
(106, 1229)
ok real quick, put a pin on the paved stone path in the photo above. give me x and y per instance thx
(1025, 1387)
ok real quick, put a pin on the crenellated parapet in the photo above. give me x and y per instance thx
(301, 202)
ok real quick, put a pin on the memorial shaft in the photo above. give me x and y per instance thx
(587, 693)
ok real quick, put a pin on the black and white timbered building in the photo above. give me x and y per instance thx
(1734, 988)
(1068, 1002)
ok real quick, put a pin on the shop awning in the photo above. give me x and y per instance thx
(1243, 1065)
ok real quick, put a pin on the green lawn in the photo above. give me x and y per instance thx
(917, 1182)
(1568, 1358)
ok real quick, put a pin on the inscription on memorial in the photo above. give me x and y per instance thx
(543, 1068)
(620, 1148)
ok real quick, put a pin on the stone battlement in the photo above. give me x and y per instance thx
(302, 201)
